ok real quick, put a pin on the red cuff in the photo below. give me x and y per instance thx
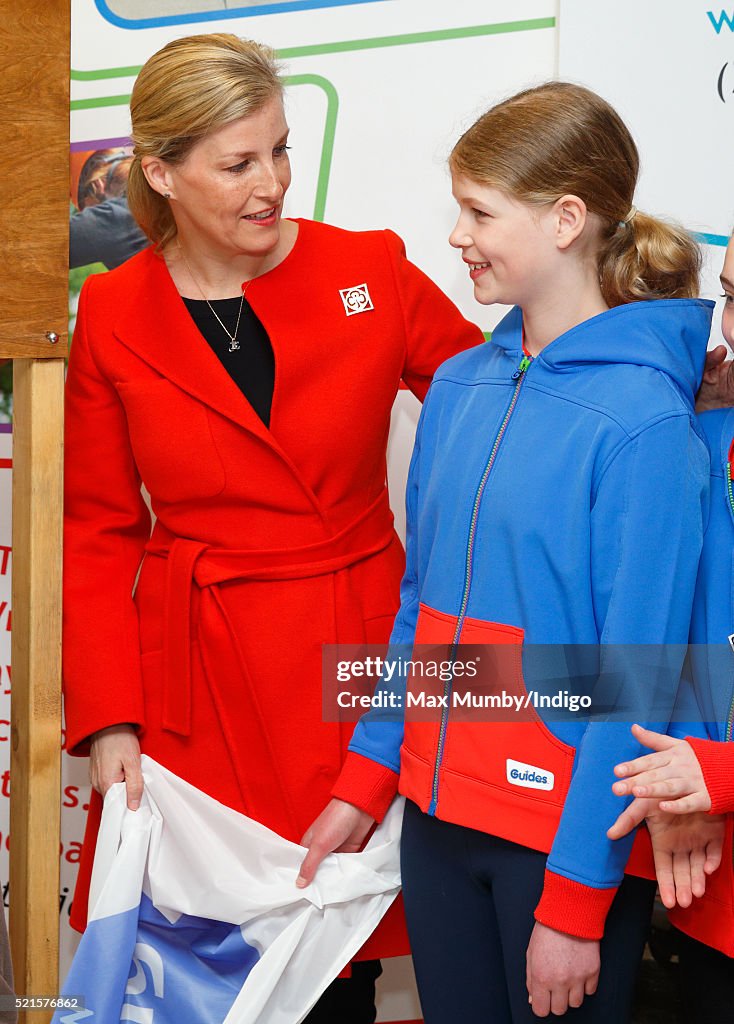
(571, 907)
(366, 784)
(717, 764)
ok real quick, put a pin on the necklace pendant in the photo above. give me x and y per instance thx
(234, 345)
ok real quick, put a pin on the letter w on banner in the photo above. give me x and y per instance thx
(196, 916)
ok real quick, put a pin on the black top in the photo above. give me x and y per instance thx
(252, 365)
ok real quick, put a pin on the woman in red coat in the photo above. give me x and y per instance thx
(258, 425)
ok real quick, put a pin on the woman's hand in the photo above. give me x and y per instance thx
(115, 757)
(340, 828)
(671, 776)
(561, 970)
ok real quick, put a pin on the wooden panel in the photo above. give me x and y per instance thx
(35, 767)
(34, 171)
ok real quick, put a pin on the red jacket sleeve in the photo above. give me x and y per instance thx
(717, 765)
(106, 526)
(435, 330)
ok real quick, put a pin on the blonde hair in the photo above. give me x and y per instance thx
(560, 138)
(186, 90)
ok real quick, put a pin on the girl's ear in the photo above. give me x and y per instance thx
(570, 216)
(158, 175)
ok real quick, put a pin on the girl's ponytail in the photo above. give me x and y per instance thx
(645, 258)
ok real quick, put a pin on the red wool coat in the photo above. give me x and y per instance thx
(267, 542)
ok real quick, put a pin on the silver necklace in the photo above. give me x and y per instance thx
(233, 342)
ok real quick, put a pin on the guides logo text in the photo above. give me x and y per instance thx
(529, 776)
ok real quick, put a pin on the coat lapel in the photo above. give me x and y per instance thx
(156, 325)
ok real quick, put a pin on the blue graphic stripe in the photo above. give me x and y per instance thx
(137, 960)
(706, 239)
(234, 12)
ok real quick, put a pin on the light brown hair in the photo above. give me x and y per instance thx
(560, 139)
(189, 88)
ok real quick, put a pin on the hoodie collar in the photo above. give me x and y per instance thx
(669, 335)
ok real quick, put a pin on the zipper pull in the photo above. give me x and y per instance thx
(524, 364)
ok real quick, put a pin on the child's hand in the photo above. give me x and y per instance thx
(686, 850)
(560, 970)
(717, 387)
(671, 776)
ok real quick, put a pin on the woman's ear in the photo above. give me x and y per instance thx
(158, 175)
(570, 215)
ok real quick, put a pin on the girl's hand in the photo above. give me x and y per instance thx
(115, 757)
(686, 849)
(671, 776)
(717, 387)
(561, 970)
(340, 828)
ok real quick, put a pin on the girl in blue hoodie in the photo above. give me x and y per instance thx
(690, 778)
(555, 504)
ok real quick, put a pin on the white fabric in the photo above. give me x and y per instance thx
(192, 855)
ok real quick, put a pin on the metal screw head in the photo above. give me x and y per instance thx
(52, 337)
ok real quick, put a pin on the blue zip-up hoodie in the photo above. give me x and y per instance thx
(557, 501)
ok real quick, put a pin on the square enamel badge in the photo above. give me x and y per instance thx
(356, 299)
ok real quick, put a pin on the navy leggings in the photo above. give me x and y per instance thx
(469, 901)
(706, 981)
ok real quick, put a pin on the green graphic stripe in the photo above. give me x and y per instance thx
(327, 146)
(100, 101)
(439, 35)
(94, 76)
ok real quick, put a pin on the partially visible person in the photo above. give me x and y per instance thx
(686, 786)
(104, 230)
(688, 782)
(91, 182)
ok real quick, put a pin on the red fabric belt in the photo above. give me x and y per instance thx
(191, 561)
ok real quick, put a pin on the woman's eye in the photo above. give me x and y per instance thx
(479, 213)
(281, 150)
(727, 298)
(237, 168)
